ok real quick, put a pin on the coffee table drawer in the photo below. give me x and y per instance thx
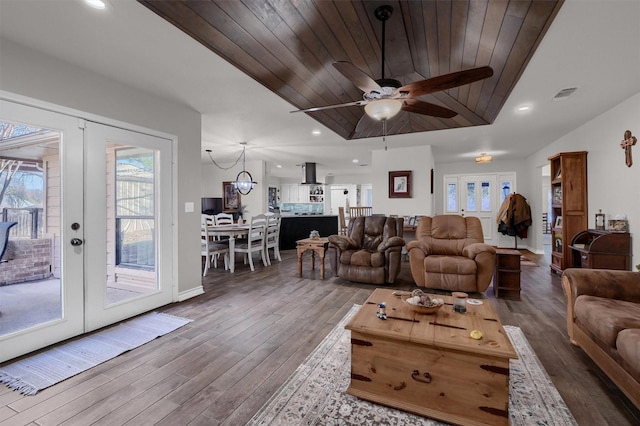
(457, 387)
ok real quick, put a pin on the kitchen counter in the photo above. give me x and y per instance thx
(294, 228)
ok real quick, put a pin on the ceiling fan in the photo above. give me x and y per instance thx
(385, 97)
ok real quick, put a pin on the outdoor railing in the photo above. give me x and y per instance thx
(29, 221)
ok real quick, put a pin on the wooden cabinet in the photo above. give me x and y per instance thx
(568, 205)
(506, 280)
(597, 249)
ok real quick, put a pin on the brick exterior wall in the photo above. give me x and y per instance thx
(28, 260)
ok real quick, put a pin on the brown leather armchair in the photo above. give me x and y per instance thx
(371, 251)
(449, 253)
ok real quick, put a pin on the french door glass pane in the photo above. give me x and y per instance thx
(506, 190)
(131, 230)
(485, 197)
(452, 197)
(471, 197)
(30, 279)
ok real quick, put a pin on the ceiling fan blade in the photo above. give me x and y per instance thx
(425, 108)
(444, 82)
(361, 80)
(355, 103)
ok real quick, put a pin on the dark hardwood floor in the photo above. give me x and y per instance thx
(250, 332)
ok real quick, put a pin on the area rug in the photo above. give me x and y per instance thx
(315, 393)
(33, 373)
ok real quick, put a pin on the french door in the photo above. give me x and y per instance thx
(128, 247)
(105, 218)
(48, 145)
(480, 196)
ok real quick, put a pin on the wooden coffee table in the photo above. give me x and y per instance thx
(428, 364)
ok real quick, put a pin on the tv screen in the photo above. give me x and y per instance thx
(211, 205)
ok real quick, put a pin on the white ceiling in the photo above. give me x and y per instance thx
(592, 44)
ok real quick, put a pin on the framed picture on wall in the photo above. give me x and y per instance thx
(400, 184)
(230, 197)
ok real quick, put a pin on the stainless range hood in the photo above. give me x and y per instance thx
(309, 174)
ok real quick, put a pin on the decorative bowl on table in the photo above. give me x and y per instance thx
(423, 303)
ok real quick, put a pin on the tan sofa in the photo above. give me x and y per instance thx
(603, 318)
(371, 252)
(449, 253)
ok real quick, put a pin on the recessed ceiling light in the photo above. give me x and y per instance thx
(96, 4)
(523, 108)
(355, 160)
(279, 166)
(316, 132)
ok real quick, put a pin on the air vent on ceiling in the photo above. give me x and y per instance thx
(564, 93)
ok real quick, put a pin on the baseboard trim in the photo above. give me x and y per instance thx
(192, 292)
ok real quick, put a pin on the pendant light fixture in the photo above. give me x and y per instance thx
(244, 182)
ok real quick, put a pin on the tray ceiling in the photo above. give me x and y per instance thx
(290, 46)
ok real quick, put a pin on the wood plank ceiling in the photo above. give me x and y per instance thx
(289, 46)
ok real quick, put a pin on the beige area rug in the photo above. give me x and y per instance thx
(525, 261)
(315, 393)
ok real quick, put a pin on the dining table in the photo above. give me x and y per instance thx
(232, 232)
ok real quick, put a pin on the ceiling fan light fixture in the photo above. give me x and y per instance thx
(484, 158)
(383, 109)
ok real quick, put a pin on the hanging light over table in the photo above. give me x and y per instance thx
(244, 182)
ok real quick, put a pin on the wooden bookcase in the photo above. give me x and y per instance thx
(568, 205)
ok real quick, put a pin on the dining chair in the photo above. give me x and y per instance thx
(272, 239)
(254, 241)
(360, 211)
(212, 249)
(224, 219)
(342, 221)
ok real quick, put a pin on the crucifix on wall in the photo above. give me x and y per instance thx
(626, 144)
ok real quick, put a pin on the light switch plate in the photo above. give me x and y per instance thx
(188, 207)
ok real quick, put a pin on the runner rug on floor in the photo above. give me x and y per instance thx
(36, 372)
(315, 393)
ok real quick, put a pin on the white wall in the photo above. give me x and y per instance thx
(612, 186)
(419, 160)
(36, 75)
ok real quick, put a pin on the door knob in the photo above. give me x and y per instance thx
(76, 242)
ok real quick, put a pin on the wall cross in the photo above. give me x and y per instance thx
(626, 144)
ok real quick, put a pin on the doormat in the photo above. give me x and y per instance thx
(315, 393)
(57, 363)
(525, 261)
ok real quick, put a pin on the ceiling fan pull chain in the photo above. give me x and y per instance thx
(384, 133)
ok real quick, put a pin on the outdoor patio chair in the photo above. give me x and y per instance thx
(5, 227)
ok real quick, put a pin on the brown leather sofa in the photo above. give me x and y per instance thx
(449, 253)
(371, 251)
(603, 318)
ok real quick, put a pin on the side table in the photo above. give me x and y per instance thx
(506, 279)
(316, 245)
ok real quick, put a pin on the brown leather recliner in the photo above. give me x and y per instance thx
(449, 253)
(371, 251)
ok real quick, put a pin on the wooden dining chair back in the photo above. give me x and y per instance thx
(272, 239)
(254, 241)
(212, 249)
(224, 219)
(360, 211)
(342, 221)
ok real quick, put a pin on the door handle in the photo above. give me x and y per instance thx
(76, 242)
